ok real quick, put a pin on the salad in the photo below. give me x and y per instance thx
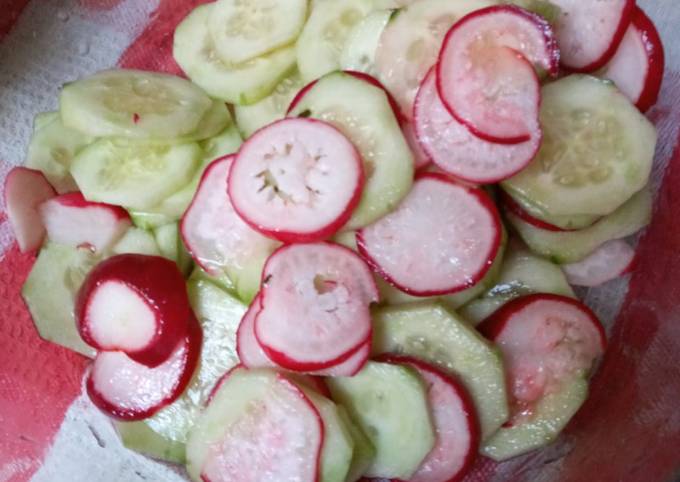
(344, 246)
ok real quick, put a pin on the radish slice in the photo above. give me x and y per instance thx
(296, 180)
(421, 158)
(485, 77)
(454, 149)
(25, 190)
(441, 239)
(252, 355)
(315, 306)
(546, 340)
(609, 261)
(588, 33)
(213, 232)
(136, 304)
(638, 65)
(455, 422)
(72, 220)
(258, 427)
(128, 390)
(511, 205)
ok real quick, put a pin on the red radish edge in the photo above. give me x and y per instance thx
(77, 200)
(514, 207)
(613, 46)
(609, 261)
(483, 199)
(193, 341)
(656, 59)
(401, 119)
(463, 395)
(323, 232)
(552, 56)
(159, 284)
(492, 327)
(220, 381)
(25, 219)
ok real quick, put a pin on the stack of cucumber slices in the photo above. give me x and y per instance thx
(344, 246)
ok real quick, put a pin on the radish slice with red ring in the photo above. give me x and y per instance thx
(135, 304)
(638, 65)
(512, 206)
(252, 355)
(546, 340)
(485, 74)
(25, 190)
(296, 180)
(441, 239)
(421, 157)
(608, 262)
(127, 390)
(588, 33)
(72, 220)
(315, 306)
(455, 150)
(455, 423)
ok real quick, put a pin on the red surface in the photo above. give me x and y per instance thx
(11, 9)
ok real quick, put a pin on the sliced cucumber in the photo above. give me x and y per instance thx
(338, 444)
(243, 30)
(133, 103)
(362, 112)
(223, 282)
(137, 241)
(364, 452)
(164, 435)
(320, 44)
(571, 246)
(576, 221)
(149, 220)
(52, 149)
(226, 142)
(550, 416)
(170, 245)
(390, 404)
(362, 42)
(133, 175)
(544, 8)
(432, 333)
(50, 291)
(247, 83)
(597, 150)
(522, 273)
(252, 117)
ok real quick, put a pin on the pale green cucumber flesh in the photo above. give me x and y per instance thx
(364, 452)
(137, 241)
(358, 54)
(50, 291)
(389, 403)
(171, 246)
(434, 334)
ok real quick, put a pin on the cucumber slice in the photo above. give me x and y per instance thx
(148, 220)
(597, 150)
(247, 83)
(243, 30)
(362, 112)
(522, 273)
(362, 42)
(390, 404)
(164, 435)
(253, 117)
(569, 222)
(137, 241)
(52, 149)
(170, 245)
(432, 333)
(571, 246)
(223, 282)
(364, 452)
(338, 444)
(550, 416)
(544, 8)
(50, 291)
(226, 142)
(133, 175)
(132, 103)
(320, 44)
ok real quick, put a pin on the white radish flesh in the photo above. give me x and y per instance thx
(454, 149)
(25, 190)
(609, 261)
(74, 221)
(296, 180)
(441, 239)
